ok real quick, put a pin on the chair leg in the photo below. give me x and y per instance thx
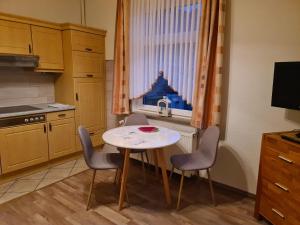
(171, 173)
(180, 190)
(211, 187)
(91, 189)
(143, 165)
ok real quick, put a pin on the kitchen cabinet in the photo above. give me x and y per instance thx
(23, 146)
(87, 42)
(15, 38)
(90, 102)
(47, 44)
(61, 133)
(83, 82)
(86, 64)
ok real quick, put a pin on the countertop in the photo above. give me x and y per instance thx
(43, 108)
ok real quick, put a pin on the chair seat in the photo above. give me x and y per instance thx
(102, 161)
(189, 162)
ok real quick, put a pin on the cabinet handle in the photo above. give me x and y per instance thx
(50, 127)
(92, 133)
(281, 187)
(62, 115)
(90, 75)
(45, 129)
(88, 49)
(278, 213)
(285, 159)
(76, 96)
(29, 48)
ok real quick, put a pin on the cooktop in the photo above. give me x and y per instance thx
(20, 108)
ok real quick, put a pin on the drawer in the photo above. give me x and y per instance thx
(278, 167)
(87, 42)
(276, 215)
(88, 64)
(60, 115)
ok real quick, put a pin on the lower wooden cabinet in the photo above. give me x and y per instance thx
(23, 146)
(61, 137)
(278, 189)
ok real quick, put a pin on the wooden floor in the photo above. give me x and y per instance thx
(64, 203)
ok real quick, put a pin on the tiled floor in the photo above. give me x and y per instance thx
(26, 184)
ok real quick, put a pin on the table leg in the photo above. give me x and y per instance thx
(124, 178)
(162, 163)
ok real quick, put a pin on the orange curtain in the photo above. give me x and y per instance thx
(121, 62)
(209, 70)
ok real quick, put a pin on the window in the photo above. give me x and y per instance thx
(163, 43)
(161, 89)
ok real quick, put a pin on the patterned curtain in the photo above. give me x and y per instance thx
(209, 71)
(121, 63)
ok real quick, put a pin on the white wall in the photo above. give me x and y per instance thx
(102, 14)
(258, 34)
(51, 10)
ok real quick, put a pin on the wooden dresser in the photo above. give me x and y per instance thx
(278, 188)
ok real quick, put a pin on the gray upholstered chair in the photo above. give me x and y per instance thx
(202, 159)
(137, 119)
(97, 160)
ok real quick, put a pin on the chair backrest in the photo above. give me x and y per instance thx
(86, 143)
(208, 145)
(136, 119)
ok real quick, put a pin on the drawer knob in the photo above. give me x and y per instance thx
(90, 75)
(281, 187)
(277, 212)
(88, 49)
(285, 159)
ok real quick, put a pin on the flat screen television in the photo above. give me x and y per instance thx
(286, 85)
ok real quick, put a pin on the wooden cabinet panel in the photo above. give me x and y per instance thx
(87, 42)
(15, 38)
(60, 115)
(61, 137)
(96, 138)
(90, 103)
(88, 64)
(23, 146)
(47, 43)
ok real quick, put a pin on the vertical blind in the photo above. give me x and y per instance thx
(163, 40)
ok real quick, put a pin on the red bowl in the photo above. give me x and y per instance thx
(148, 129)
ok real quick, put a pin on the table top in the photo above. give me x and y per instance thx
(132, 138)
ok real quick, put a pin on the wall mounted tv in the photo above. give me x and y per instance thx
(286, 85)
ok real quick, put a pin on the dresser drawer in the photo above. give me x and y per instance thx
(274, 168)
(87, 42)
(276, 215)
(60, 115)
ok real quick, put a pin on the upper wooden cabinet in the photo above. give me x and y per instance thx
(87, 42)
(15, 38)
(47, 44)
(87, 64)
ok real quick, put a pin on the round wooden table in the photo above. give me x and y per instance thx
(130, 137)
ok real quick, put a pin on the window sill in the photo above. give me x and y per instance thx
(174, 118)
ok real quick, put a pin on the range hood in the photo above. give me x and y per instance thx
(26, 61)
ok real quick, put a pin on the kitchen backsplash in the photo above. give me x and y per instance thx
(18, 87)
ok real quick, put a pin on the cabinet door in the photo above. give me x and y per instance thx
(90, 103)
(61, 137)
(87, 64)
(15, 38)
(47, 43)
(87, 42)
(23, 146)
